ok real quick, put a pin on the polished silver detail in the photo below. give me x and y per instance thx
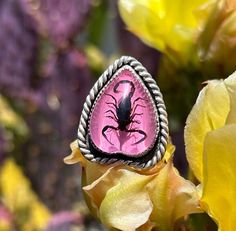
(159, 103)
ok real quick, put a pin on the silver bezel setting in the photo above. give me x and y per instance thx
(150, 83)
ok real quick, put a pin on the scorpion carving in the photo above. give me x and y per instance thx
(124, 113)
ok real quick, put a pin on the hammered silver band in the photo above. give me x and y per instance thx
(163, 132)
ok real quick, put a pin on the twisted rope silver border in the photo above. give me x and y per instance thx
(161, 109)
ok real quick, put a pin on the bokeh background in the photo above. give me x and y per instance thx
(51, 53)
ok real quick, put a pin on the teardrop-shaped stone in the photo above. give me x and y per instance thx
(124, 118)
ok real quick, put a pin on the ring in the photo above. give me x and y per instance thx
(124, 117)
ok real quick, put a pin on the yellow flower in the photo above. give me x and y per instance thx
(217, 41)
(128, 199)
(211, 149)
(169, 26)
(15, 191)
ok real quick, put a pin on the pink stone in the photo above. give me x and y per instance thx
(139, 134)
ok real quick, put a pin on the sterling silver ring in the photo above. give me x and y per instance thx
(124, 117)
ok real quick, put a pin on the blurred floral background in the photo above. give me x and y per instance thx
(52, 52)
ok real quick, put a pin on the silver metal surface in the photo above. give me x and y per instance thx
(159, 103)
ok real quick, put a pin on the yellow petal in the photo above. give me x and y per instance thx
(172, 197)
(136, 15)
(157, 22)
(97, 179)
(75, 156)
(209, 113)
(20, 199)
(216, 43)
(127, 205)
(170, 148)
(219, 178)
(95, 189)
(230, 84)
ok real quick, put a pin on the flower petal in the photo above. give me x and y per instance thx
(96, 190)
(216, 42)
(209, 113)
(157, 22)
(98, 179)
(219, 178)
(172, 197)
(127, 205)
(136, 15)
(75, 156)
(230, 83)
(20, 199)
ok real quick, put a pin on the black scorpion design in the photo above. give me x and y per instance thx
(124, 113)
